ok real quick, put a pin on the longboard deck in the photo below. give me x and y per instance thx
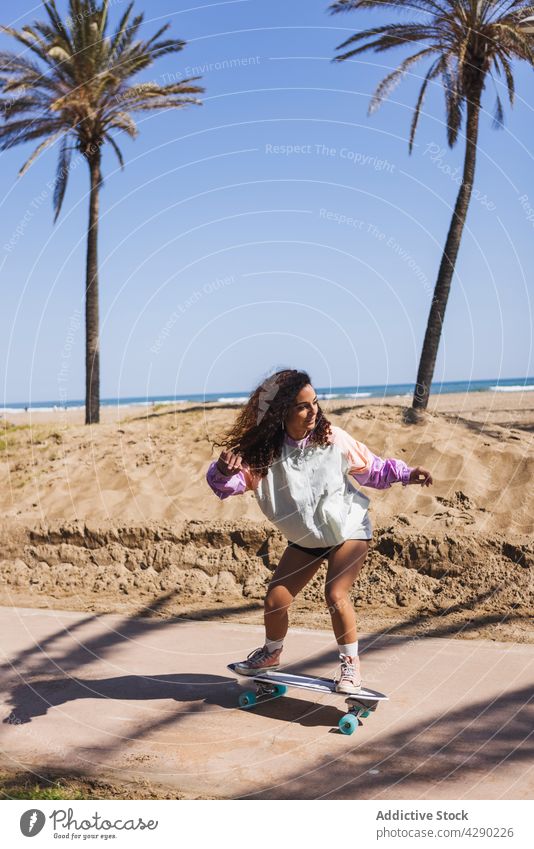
(307, 682)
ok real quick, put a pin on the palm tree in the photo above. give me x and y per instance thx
(466, 40)
(78, 98)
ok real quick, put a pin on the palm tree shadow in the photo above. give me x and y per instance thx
(51, 658)
(30, 701)
(480, 428)
(47, 657)
(34, 699)
(478, 739)
(179, 409)
(432, 629)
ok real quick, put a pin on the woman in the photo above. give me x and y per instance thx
(300, 468)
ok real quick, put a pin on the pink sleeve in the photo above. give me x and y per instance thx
(224, 486)
(367, 468)
(383, 473)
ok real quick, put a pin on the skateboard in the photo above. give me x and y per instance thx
(274, 684)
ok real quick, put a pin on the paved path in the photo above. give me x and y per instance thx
(152, 699)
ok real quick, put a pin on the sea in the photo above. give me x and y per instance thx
(381, 390)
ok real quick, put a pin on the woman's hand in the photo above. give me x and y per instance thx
(229, 463)
(420, 475)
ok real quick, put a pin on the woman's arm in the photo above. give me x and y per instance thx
(381, 474)
(225, 485)
(367, 468)
(229, 475)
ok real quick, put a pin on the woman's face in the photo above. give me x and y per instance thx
(302, 415)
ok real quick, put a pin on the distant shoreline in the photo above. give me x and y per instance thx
(509, 408)
(379, 391)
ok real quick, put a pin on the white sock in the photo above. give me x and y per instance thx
(350, 649)
(273, 645)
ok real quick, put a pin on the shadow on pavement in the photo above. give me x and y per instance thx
(479, 738)
(32, 700)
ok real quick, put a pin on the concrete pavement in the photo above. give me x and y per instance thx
(113, 696)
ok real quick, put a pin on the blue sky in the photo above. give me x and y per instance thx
(277, 224)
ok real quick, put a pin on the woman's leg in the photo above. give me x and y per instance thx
(344, 566)
(295, 570)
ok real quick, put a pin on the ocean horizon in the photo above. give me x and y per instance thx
(511, 384)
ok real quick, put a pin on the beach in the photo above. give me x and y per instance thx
(119, 517)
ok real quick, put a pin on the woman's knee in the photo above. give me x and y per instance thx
(277, 600)
(335, 598)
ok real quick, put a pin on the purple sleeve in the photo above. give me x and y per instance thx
(224, 486)
(383, 473)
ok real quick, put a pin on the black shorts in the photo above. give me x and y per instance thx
(320, 551)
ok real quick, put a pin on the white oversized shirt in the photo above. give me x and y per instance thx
(308, 492)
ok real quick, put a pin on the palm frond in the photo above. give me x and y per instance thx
(34, 36)
(132, 94)
(39, 149)
(517, 41)
(122, 121)
(16, 132)
(116, 148)
(24, 39)
(62, 175)
(10, 63)
(31, 44)
(389, 83)
(402, 32)
(469, 39)
(431, 74)
(124, 39)
(103, 22)
(19, 105)
(509, 76)
(116, 42)
(23, 74)
(498, 115)
(163, 48)
(352, 5)
(55, 19)
(75, 81)
(163, 104)
(155, 37)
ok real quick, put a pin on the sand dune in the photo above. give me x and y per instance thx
(142, 465)
(119, 517)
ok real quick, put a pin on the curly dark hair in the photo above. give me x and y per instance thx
(258, 432)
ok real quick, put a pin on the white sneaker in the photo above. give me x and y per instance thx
(350, 679)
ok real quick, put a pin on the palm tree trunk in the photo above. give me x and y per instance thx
(448, 261)
(92, 343)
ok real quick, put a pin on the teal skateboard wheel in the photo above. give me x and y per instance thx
(270, 684)
(348, 724)
(247, 699)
